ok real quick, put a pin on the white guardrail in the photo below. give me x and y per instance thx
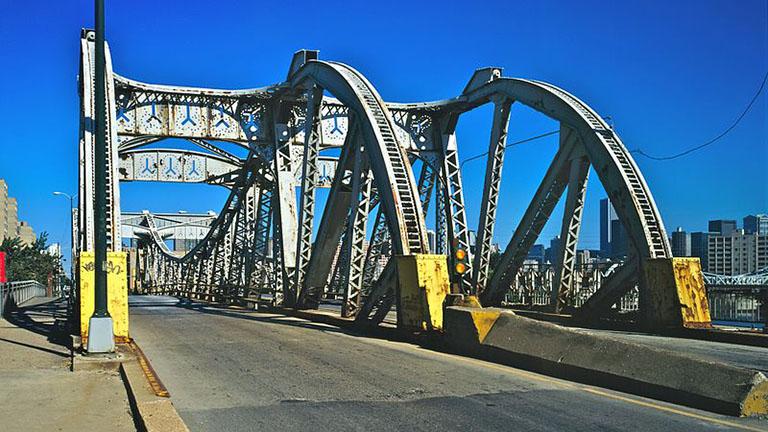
(19, 292)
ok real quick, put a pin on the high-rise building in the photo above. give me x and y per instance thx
(737, 253)
(3, 206)
(681, 243)
(12, 218)
(537, 253)
(583, 257)
(472, 237)
(756, 224)
(613, 236)
(700, 247)
(619, 240)
(432, 240)
(607, 215)
(26, 233)
(552, 253)
(722, 226)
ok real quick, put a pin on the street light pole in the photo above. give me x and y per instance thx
(100, 333)
(71, 233)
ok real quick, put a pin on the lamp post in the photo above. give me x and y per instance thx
(100, 334)
(71, 233)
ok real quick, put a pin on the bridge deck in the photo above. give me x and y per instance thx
(235, 370)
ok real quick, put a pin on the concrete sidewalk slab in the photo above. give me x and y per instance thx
(37, 390)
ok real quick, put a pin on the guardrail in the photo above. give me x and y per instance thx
(738, 305)
(728, 301)
(19, 292)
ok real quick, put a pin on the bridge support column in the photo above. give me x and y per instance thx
(423, 286)
(117, 297)
(675, 296)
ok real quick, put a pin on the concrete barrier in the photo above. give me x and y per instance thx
(504, 337)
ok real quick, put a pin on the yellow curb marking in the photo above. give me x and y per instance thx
(157, 386)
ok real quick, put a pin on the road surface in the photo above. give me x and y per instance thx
(243, 371)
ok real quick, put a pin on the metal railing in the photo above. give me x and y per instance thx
(737, 305)
(17, 293)
(532, 288)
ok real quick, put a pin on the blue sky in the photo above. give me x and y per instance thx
(671, 75)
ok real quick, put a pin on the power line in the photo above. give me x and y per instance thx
(713, 140)
(640, 151)
(533, 138)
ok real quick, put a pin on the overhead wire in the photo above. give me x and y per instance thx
(640, 151)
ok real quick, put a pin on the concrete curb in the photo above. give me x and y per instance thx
(152, 413)
(316, 316)
(503, 337)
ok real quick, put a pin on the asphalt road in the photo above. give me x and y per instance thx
(232, 371)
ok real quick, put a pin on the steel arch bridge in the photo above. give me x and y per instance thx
(388, 167)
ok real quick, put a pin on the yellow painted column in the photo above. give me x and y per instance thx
(117, 293)
(677, 296)
(424, 284)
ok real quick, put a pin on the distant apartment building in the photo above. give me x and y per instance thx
(722, 226)
(681, 243)
(736, 253)
(11, 218)
(10, 227)
(756, 224)
(613, 236)
(26, 233)
(3, 205)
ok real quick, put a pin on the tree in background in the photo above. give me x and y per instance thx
(30, 262)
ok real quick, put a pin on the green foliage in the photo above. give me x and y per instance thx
(29, 262)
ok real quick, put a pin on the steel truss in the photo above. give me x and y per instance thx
(267, 243)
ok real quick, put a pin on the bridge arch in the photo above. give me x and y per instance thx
(586, 139)
(388, 162)
(380, 171)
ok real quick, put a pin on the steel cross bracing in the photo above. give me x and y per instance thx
(455, 213)
(496, 150)
(354, 238)
(312, 142)
(755, 280)
(569, 234)
(327, 126)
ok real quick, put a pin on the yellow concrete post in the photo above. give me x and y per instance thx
(117, 293)
(677, 296)
(424, 284)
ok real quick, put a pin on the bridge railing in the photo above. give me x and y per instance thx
(532, 289)
(533, 285)
(17, 293)
(737, 305)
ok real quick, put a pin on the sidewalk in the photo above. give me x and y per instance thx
(37, 390)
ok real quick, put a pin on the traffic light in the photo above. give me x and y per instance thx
(460, 259)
